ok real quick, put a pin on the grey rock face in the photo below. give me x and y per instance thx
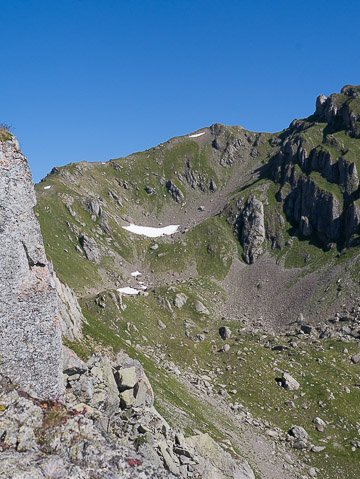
(352, 219)
(95, 429)
(300, 437)
(215, 463)
(355, 358)
(105, 390)
(30, 335)
(228, 150)
(200, 308)
(320, 104)
(325, 205)
(72, 444)
(343, 113)
(72, 364)
(252, 234)
(91, 249)
(289, 383)
(348, 176)
(320, 424)
(299, 433)
(175, 192)
(142, 389)
(322, 209)
(180, 300)
(70, 315)
(94, 208)
(126, 378)
(136, 422)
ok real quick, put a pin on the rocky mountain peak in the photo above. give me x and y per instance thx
(341, 110)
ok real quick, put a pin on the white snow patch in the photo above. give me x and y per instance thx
(151, 232)
(103, 163)
(143, 287)
(47, 187)
(128, 290)
(196, 135)
(136, 273)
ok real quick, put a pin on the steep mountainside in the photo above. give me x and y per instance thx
(261, 276)
(239, 198)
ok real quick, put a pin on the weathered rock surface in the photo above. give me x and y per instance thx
(337, 108)
(214, 463)
(180, 300)
(93, 205)
(70, 315)
(355, 358)
(46, 439)
(142, 390)
(299, 436)
(175, 192)
(319, 186)
(91, 249)
(252, 234)
(30, 335)
(288, 382)
(200, 308)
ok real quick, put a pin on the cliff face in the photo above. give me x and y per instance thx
(30, 336)
(316, 168)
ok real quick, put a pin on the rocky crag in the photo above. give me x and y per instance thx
(30, 336)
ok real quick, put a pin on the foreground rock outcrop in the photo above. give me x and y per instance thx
(106, 423)
(46, 439)
(30, 336)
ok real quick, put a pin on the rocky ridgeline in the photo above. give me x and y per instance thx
(341, 110)
(30, 335)
(316, 175)
(327, 206)
(61, 417)
(311, 166)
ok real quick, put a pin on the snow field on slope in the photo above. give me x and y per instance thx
(151, 232)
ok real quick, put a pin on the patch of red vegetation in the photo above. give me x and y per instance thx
(134, 462)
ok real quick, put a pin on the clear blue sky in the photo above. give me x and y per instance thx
(98, 79)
